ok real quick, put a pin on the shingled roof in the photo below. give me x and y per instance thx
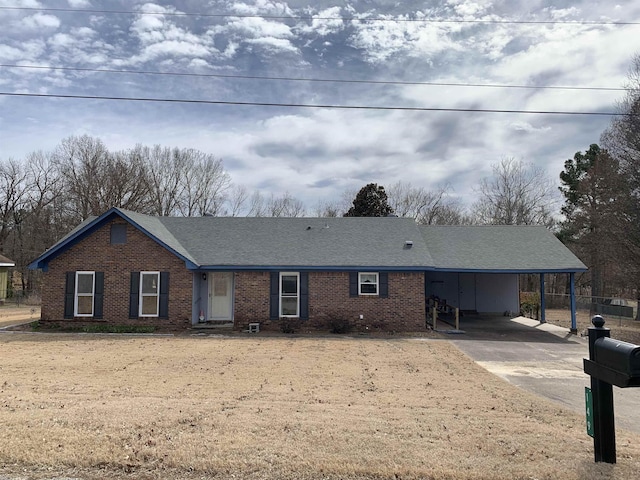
(498, 248)
(388, 243)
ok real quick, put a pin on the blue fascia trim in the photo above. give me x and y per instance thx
(518, 271)
(308, 268)
(43, 260)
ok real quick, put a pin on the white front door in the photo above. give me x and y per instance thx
(221, 296)
(467, 291)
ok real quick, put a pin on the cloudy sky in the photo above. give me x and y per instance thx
(204, 48)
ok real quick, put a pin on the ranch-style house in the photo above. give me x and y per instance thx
(126, 268)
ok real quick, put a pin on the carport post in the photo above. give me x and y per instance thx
(572, 281)
(542, 302)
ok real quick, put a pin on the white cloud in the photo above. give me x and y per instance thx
(162, 37)
(273, 44)
(79, 3)
(262, 7)
(325, 22)
(255, 28)
(20, 3)
(40, 20)
(275, 36)
(25, 51)
(380, 41)
(9, 53)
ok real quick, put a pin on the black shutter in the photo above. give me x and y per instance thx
(134, 293)
(98, 295)
(383, 280)
(164, 295)
(274, 296)
(353, 284)
(304, 295)
(69, 294)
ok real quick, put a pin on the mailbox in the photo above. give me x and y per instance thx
(610, 362)
(615, 362)
(617, 355)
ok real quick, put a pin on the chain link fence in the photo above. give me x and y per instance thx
(17, 297)
(607, 306)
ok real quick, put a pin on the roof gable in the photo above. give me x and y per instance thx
(145, 223)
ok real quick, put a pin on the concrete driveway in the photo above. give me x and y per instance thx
(542, 358)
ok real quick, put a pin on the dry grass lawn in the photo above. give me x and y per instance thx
(625, 329)
(88, 406)
(10, 315)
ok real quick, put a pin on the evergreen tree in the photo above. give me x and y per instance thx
(594, 192)
(371, 201)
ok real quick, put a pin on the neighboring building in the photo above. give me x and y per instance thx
(128, 268)
(5, 265)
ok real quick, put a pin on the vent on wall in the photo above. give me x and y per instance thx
(408, 244)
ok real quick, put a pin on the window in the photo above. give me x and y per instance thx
(118, 233)
(84, 292)
(368, 283)
(149, 294)
(289, 294)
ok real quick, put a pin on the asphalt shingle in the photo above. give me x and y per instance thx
(498, 248)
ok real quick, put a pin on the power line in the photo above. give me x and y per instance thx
(307, 17)
(303, 79)
(304, 105)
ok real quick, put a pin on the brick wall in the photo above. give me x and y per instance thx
(139, 253)
(402, 310)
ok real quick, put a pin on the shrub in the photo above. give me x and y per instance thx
(339, 325)
(118, 329)
(289, 325)
(530, 304)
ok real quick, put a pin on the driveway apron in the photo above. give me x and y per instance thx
(542, 358)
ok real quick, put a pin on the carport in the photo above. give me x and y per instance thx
(477, 268)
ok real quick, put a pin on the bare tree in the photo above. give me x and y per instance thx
(203, 184)
(285, 206)
(257, 205)
(13, 195)
(35, 223)
(516, 194)
(81, 161)
(96, 180)
(424, 206)
(163, 177)
(328, 209)
(235, 198)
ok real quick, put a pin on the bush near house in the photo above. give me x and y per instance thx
(530, 304)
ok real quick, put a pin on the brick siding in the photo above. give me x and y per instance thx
(96, 253)
(403, 310)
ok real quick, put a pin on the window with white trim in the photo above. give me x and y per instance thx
(84, 294)
(368, 283)
(289, 294)
(149, 294)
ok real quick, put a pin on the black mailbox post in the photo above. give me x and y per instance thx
(611, 362)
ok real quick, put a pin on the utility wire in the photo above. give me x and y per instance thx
(307, 17)
(302, 79)
(304, 105)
